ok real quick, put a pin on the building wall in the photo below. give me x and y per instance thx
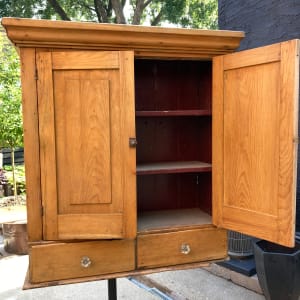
(264, 22)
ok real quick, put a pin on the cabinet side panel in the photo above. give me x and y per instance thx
(31, 144)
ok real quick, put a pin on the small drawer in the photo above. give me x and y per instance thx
(173, 248)
(82, 259)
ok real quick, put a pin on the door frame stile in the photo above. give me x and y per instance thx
(47, 144)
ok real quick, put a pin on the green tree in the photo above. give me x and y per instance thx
(186, 13)
(11, 128)
(200, 14)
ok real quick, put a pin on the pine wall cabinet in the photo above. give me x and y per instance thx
(143, 145)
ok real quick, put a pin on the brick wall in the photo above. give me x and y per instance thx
(264, 22)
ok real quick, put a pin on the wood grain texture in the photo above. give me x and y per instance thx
(172, 87)
(161, 220)
(85, 60)
(205, 244)
(289, 106)
(145, 41)
(252, 57)
(90, 226)
(127, 130)
(63, 261)
(256, 160)
(83, 140)
(251, 99)
(47, 144)
(174, 191)
(173, 167)
(29, 285)
(173, 113)
(163, 139)
(94, 151)
(31, 145)
(217, 140)
(92, 115)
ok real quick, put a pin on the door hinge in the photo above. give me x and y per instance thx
(296, 140)
(36, 77)
(42, 210)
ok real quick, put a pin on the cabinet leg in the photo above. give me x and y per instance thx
(112, 289)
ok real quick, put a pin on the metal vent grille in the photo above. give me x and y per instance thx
(239, 245)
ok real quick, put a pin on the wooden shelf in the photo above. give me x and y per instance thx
(173, 167)
(173, 113)
(175, 218)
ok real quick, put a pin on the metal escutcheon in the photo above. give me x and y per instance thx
(85, 261)
(132, 142)
(185, 249)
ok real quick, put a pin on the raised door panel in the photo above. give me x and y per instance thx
(255, 109)
(86, 115)
(82, 134)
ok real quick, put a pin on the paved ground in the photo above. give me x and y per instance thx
(197, 284)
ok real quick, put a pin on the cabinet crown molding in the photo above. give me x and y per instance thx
(145, 41)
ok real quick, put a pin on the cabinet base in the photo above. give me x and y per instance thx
(28, 285)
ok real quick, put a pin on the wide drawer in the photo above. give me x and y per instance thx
(173, 248)
(74, 260)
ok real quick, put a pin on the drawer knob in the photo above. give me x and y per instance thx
(85, 261)
(185, 249)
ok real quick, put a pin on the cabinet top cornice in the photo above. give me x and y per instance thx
(145, 41)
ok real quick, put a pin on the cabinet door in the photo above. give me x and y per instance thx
(86, 116)
(255, 117)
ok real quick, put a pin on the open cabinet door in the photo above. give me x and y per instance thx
(86, 116)
(255, 120)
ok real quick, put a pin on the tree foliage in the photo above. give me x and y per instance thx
(186, 13)
(11, 132)
(11, 129)
(201, 14)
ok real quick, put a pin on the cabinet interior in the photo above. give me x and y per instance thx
(173, 130)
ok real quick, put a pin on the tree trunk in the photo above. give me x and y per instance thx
(136, 20)
(14, 174)
(140, 6)
(100, 11)
(59, 10)
(118, 9)
(157, 19)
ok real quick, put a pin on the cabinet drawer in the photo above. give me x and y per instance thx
(74, 260)
(181, 247)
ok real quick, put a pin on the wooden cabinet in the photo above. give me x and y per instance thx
(142, 145)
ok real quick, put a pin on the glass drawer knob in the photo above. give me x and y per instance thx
(185, 249)
(85, 261)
